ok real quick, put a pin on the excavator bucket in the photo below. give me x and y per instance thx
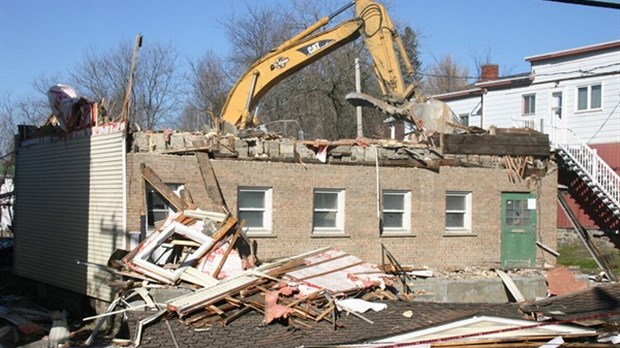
(431, 116)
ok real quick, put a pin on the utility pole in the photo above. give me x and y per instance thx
(125, 110)
(358, 89)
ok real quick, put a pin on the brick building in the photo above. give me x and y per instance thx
(436, 207)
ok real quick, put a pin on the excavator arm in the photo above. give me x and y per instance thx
(278, 65)
(380, 37)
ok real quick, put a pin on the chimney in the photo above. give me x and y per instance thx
(489, 72)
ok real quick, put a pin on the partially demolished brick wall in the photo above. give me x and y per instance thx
(292, 170)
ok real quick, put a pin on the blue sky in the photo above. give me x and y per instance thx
(44, 37)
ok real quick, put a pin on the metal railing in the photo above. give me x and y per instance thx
(591, 164)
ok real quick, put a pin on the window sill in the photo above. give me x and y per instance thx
(334, 234)
(260, 235)
(459, 234)
(586, 111)
(397, 234)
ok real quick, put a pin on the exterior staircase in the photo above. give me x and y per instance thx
(578, 157)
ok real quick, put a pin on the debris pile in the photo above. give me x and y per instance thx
(20, 317)
(209, 276)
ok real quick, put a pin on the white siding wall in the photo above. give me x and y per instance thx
(503, 107)
(70, 205)
(575, 66)
(468, 106)
(597, 126)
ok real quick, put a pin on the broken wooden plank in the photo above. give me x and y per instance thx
(194, 276)
(203, 297)
(241, 312)
(163, 189)
(210, 181)
(226, 253)
(186, 196)
(547, 249)
(205, 248)
(512, 287)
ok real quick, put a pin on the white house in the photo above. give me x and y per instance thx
(578, 89)
(573, 95)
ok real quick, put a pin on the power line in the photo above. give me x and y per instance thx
(593, 3)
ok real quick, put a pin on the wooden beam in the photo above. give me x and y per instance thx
(210, 181)
(511, 286)
(500, 144)
(152, 178)
(226, 253)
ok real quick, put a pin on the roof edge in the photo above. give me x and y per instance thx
(574, 51)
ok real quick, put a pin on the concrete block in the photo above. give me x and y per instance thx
(287, 150)
(272, 148)
(304, 152)
(357, 153)
(242, 148)
(340, 151)
(370, 154)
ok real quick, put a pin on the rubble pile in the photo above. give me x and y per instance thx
(199, 266)
(473, 272)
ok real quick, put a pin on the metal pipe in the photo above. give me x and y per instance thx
(246, 112)
(340, 10)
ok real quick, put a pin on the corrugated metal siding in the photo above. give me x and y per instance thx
(71, 206)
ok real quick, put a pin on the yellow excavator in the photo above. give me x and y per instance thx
(381, 39)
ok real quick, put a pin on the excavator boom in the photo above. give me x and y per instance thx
(380, 37)
(279, 64)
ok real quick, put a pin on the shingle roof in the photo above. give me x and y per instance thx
(600, 302)
(247, 331)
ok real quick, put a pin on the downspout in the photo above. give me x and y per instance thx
(484, 92)
(127, 237)
(378, 188)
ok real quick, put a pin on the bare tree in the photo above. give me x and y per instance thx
(480, 58)
(314, 97)
(259, 30)
(104, 77)
(31, 110)
(445, 76)
(157, 87)
(209, 83)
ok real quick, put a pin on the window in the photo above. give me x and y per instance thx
(157, 207)
(254, 206)
(529, 104)
(328, 214)
(518, 213)
(458, 211)
(589, 97)
(464, 119)
(396, 211)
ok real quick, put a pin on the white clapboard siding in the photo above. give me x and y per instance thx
(502, 105)
(71, 206)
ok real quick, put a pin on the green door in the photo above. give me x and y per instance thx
(518, 230)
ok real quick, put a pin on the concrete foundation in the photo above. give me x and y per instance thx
(491, 290)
